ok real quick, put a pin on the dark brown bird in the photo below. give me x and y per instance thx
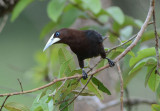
(84, 43)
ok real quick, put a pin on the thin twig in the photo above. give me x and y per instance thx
(94, 66)
(62, 84)
(3, 23)
(4, 103)
(100, 69)
(156, 42)
(133, 102)
(150, 22)
(121, 84)
(20, 85)
(60, 102)
(77, 94)
(42, 87)
(134, 36)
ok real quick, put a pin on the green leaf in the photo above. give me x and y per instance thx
(70, 12)
(147, 61)
(41, 102)
(141, 55)
(149, 72)
(72, 85)
(154, 81)
(126, 32)
(21, 5)
(55, 8)
(51, 105)
(134, 71)
(76, 71)
(100, 86)
(103, 18)
(48, 28)
(63, 68)
(12, 106)
(92, 5)
(117, 14)
(155, 107)
(93, 88)
(133, 22)
(69, 107)
(64, 90)
(129, 21)
(65, 55)
(148, 35)
(76, 1)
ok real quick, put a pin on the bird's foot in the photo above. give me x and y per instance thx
(84, 74)
(111, 63)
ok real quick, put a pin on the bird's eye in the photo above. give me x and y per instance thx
(57, 34)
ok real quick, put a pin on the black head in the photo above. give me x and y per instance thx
(60, 36)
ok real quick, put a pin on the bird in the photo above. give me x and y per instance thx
(84, 43)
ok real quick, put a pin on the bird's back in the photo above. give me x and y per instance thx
(91, 45)
(93, 36)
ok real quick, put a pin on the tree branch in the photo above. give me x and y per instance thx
(20, 85)
(134, 36)
(121, 84)
(156, 42)
(131, 102)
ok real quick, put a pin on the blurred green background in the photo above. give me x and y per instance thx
(19, 42)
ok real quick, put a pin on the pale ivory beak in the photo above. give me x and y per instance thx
(51, 41)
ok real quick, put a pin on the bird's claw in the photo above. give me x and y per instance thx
(84, 75)
(111, 63)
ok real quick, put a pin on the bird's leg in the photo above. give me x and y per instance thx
(103, 55)
(84, 74)
(111, 63)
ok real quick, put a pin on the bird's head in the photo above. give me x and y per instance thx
(59, 36)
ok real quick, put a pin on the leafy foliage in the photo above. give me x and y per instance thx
(100, 85)
(93, 88)
(141, 55)
(154, 81)
(144, 58)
